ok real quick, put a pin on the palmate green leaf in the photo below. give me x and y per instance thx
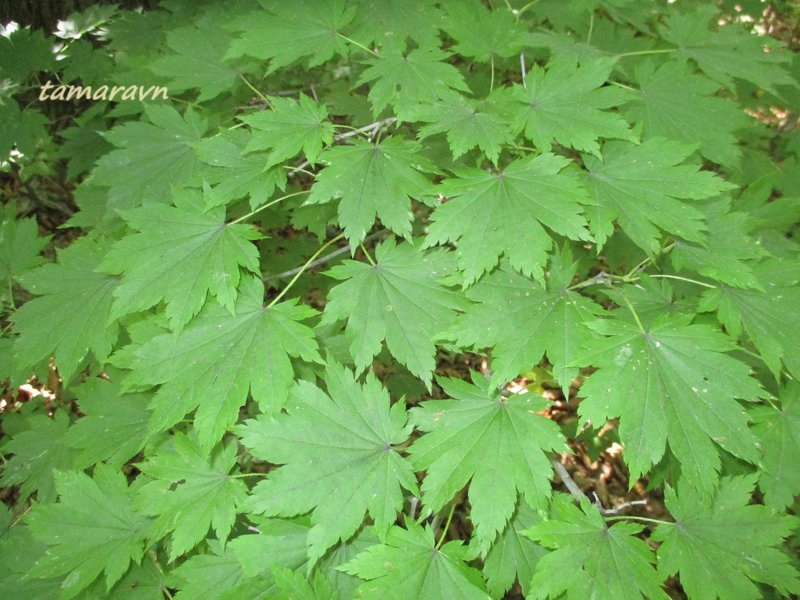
(188, 491)
(468, 123)
(215, 360)
(291, 31)
(209, 576)
(372, 179)
(24, 129)
(282, 543)
(278, 543)
(591, 560)
(675, 103)
(38, 451)
(114, 427)
(93, 529)
(564, 103)
(484, 34)
(71, 316)
(513, 555)
(339, 457)
(770, 318)
(382, 21)
(150, 158)
(20, 246)
(24, 52)
(236, 174)
(721, 546)
(180, 254)
(490, 215)
(405, 79)
(399, 301)
(409, 565)
(522, 320)
(729, 254)
(778, 431)
(295, 586)
(728, 53)
(645, 188)
(291, 126)
(670, 384)
(495, 443)
(20, 552)
(196, 61)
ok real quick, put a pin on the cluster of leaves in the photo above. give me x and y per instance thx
(592, 188)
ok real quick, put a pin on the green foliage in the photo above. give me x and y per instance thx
(329, 320)
(591, 559)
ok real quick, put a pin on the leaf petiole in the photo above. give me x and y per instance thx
(446, 526)
(267, 205)
(304, 268)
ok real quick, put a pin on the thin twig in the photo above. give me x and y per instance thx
(616, 509)
(372, 129)
(321, 260)
(566, 478)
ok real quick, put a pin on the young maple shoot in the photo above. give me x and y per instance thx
(348, 313)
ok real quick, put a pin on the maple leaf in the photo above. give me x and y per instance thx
(294, 585)
(197, 61)
(405, 79)
(496, 443)
(93, 529)
(188, 492)
(24, 129)
(730, 261)
(150, 158)
(727, 54)
(722, 546)
(210, 576)
(289, 32)
(468, 123)
(778, 430)
(513, 555)
(180, 254)
(283, 543)
(495, 214)
(38, 450)
(590, 559)
(382, 302)
(564, 103)
(114, 426)
(671, 383)
(409, 565)
(372, 179)
(382, 20)
(19, 247)
(339, 457)
(645, 188)
(235, 173)
(675, 103)
(770, 318)
(534, 320)
(213, 362)
(25, 51)
(71, 316)
(20, 552)
(291, 126)
(484, 34)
